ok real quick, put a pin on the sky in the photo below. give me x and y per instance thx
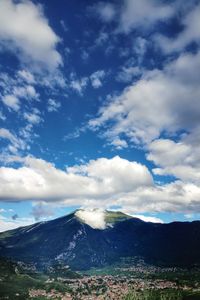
(99, 108)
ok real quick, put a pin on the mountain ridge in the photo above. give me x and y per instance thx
(71, 241)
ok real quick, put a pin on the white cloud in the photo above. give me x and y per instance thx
(95, 218)
(180, 159)
(100, 183)
(148, 218)
(139, 46)
(116, 174)
(101, 39)
(144, 218)
(74, 134)
(172, 197)
(11, 102)
(126, 74)
(34, 117)
(171, 98)
(142, 13)
(8, 224)
(38, 45)
(15, 142)
(189, 34)
(78, 84)
(41, 210)
(96, 78)
(53, 105)
(26, 76)
(28, 92)
(16, 88)
(99, 179)
(131, 14)
(105, 11)
(119, 143)
(2, 116)
(168, 152)
(24, 84)
(7, 158)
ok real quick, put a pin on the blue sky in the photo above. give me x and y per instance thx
(99, 107)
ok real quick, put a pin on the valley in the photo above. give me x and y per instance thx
(123, 258)
(140, 282)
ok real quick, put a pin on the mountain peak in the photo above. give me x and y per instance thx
(100, 219)
(108, 237)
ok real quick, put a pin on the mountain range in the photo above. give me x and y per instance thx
(83, 240)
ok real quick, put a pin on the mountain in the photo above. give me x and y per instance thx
(94, 239)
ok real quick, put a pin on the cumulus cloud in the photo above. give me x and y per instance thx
(78, 85)
(93, 217)
(96, 78)
(53, 105)
(28, 92)
(131, 14)
(178, 158)
(126, 74)
(17, 88)
(38, 46)
(11, 101)
(142, 13)
(190, 33)
(26, 76)
(177, 196)
(116, 174)
(98, 180)
(170, 96)
(33, 117)
(105, 11)
(119, 143)
(15, 142)
(99, 183)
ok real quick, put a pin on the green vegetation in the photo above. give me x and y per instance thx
(17, 286)
(122, 268)
(136, 268)
(61, 270)
(153, 295)
(6, 234)
(18, 280)
(162, 295)
(114, 217)
(15, 282)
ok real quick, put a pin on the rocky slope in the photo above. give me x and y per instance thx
(82, 242)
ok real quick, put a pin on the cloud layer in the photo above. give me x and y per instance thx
(17, 21)
(100, 183)
(100, 179)
(180, 159)
(170, 96)
(92, 217)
